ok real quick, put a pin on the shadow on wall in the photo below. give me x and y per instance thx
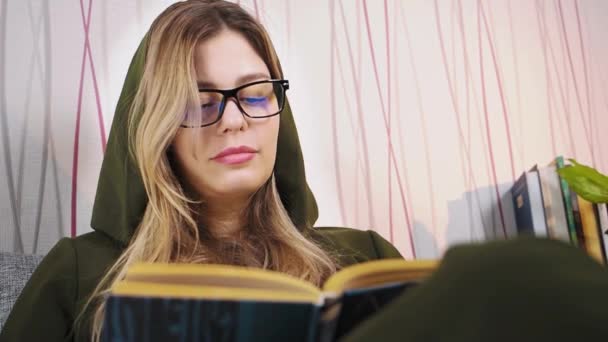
(425, 242)
(476, 215)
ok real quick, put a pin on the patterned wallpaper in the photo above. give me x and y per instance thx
(415, 116)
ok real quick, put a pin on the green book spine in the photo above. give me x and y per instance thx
(559, 161)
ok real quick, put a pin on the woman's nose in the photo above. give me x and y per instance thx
(232, 119)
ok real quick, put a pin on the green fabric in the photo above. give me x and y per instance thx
(66, 277)
(521, 290)
(68, 274)
(352, 246)
(58, 288)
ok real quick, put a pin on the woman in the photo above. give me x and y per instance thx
(192, 174)
(216, 175)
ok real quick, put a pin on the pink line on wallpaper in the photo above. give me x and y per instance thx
(388, 101)
(86, 52)
(453, 40)
(453, 96)
(562, 74)
(470, 89)
(520, 119)
(75, 156)
(384, 116)
(334, 128)
(499, 82)
(586, 74)
(550, 113)
(86, 25)
(487, 119)
(562, 92)
(360, 119)
(410, 215)
(574, 81)
(401, 133)
(359, 167)
(597, 70)
(454, 28)
(425, 130)
(490, 26)
(355, 130)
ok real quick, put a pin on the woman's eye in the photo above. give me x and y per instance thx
(208, 105)
(254, 100)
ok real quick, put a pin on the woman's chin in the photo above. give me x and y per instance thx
(240, 185)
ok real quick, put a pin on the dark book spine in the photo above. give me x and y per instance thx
(559, 161)
(521, 205)
(578, 221)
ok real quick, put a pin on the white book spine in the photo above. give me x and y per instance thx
(602, 209)
(555, 212)
(536, 204)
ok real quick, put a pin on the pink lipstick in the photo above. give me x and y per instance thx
(235, 155)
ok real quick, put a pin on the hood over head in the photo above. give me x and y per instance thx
(121, 198)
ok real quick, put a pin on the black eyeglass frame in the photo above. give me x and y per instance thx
(228, 93)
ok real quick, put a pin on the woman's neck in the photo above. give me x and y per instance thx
(226, 219)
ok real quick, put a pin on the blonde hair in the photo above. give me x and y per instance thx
(170, 230)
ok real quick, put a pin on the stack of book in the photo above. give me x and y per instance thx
(546, 206)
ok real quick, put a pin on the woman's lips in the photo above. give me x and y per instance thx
(235, 155)
(235, 158)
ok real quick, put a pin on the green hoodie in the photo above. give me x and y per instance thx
(58, 289)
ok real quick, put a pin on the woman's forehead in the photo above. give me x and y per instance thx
(227, 60)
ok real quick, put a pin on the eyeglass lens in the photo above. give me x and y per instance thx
(256, 101)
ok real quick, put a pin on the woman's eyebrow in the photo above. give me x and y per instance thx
(241, 80)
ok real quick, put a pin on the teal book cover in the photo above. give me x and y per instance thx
(149, 319)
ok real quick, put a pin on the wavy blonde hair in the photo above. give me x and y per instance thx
(170, 230)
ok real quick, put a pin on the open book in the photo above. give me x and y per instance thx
(187, 302)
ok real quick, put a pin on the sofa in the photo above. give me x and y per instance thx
(15, 270)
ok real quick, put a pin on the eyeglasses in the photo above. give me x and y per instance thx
(260, 99)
